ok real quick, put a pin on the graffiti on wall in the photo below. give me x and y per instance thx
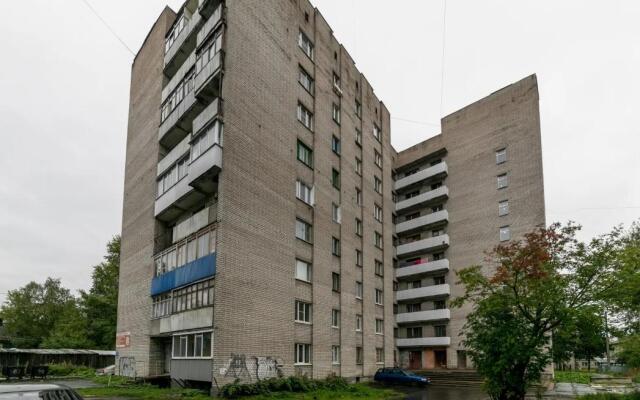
(127, 366)
(252, 368)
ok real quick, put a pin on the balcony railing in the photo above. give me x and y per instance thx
(424, 292)
(423, 222)
(424, 341)
(439, 169)
(431, 196)
(422, 268)
(424, 245)
(423, 316)
(194, 223)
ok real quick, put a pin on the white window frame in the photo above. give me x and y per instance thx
(335, 318)
(304, 192)
(377, 158)
(379, 355)
(358, 322)
(502, 181)
(379, 326)
(305, 116)
(503, 208)
(303, 312)
(300, 264)
(377, 184)
(335, 355)
(336, 213)
(308, 230)
(305, 44)
(505, 233)
(302, 354)
(501, 155)
(379, 299)
(377, 133)
(358, 166)
(359, 227)
(305, 79)
(377, 212)
(184, 337)
(359, 290)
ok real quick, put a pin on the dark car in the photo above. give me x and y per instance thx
(399, 376)
(38, 392)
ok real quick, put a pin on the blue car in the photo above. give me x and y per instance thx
(400, 376)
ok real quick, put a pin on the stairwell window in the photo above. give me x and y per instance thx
(358, 323)
(335, 144)
(304, 154)
(378, 240)
(358, 137)
(358, 227)
(377, 133)
(304, 192)
(358, 109)
(358, 258)
(305, 116)
(304, 231)
(335, 281)
(379, 268)
(303, 354)
(377, 158)
(336, 214)
(358, 290)
(305, 44)
(379, 356)
(359, 197)
(358, 166)
(359, 356)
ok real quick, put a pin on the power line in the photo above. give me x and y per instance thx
(108, 27)
(416, 122)
(444, 37)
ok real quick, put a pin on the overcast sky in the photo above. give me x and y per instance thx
(64, 80)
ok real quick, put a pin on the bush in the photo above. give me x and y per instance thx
(67, 369)
(573, 377)
(291, 384)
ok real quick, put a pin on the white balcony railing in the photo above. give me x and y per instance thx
(423, 316)
(423, 222)
(423, 245)
(424, 341)
(422, 268)
(441, 192)
(438, 169)
(442, 290)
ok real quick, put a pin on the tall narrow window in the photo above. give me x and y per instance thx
(335, 178)
(379, 268)
(501, 156)
(304, 192)
(303, 230)
(358, 166)
(503, 208)
(305, 116)
(358, 227)
(440, 330)
(335, 113)
(377, 184)
(358, 258)
(335, 318)
(377, 133)
(335, 144)
(358, 109)
(358, 197)
(377, 212)
(377, 158)
(358, 137)
(335, 355)
(304, 154)
(303, 353)
(379, 297)
(359, 356)
(379, 326)
(378, 240)
(305, 44)
(335, 246)
(358, 323)
(358, 290)
(505, 233)
(503, 181)
(303, 271)
(303, 312)
(335, 213)
(379, 355)
(306, 80)
(335, 281)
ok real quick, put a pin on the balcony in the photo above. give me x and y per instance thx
(211, 112)
(435, 171)
(422, 268)
(193, 271)
(179, 122)
(423, 316)
(194, 223)
(210, 26)
(184, 42)
(424, 341)
(424, 245)
(423, 199)
(426, 221)
(208, 76)
(208, 7)
(424, 292)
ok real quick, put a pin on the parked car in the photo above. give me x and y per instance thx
(400, 376)
(38, 392)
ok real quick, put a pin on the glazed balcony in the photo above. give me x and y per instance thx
(436, 171)
(423, 342)
(423, 199)
(423, 316)
(424, 222)
(210, 26)
(422, 268)
(424, 245)
(181, 39)
(425, 292)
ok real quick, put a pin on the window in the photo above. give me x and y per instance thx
(192, 297)
(358, 227)
(335, 354)
(438, 256)
(358, 166)
(335, 113)
(335, 318)
(438, 280)
(305, 44)
(359, 356)
(335, 178)
(358, 137)
(379, 297)
(336, 81)
(379, 355)
(335, 144)
(377, 133)
(377, 184)
(306, 80)
(437, 208)
(358, 197)
(335, 246)
(303, 312)
(440, 330)
(304, 192)
(303, 230)
(439, 304)
(193, 345)
(377, 158)
(505, 233)
(335, 281)
(377, 212)
(178, 26)
(411, 216)
(305, 154)
(209, 51)
(303, 271)
(161, 306)
(503, 181)
(414, 307)
(378, 240)
(501, 156)
(184, 87)
(437, 232)
(358, 290)
(303, 353)
(412, 194)
(358, 323)
(169, 178)
(415, 284)
(379, 326)
(305, 117)
(336, 214)
(503, 208)
(358, 109)
(379, 268)
(414, 332)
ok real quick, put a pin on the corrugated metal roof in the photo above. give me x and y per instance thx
(60, 351)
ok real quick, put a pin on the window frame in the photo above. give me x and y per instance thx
(302, 354)
(308, 231)
(309, 270)
(305, 311)
(307, 151)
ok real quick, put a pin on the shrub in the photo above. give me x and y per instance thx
(67, 369)
(300, 384)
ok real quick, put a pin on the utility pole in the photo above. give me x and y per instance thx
(606, 339)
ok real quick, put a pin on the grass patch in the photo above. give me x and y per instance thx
(356, 391)
(611, 396)
(65, 369)
(573, 377)
(143, 392)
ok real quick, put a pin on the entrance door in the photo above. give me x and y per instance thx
(462, 359)
(167, 357)
(441, 358)
(415, 360)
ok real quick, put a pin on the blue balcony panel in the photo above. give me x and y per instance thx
(190, 272)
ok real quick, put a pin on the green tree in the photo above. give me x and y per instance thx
(31, 312)
(70, 330)
(100, 304)
(630, 351)
(582, 335)
(526, 290)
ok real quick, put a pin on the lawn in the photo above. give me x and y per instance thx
(143, 392)
(573, 376)
(611, 396)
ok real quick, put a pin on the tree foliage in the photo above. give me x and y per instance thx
(582, 336)
(526, 290)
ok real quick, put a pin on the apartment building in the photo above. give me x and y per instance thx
(257, 235)
(267, 220)
(459, 194)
